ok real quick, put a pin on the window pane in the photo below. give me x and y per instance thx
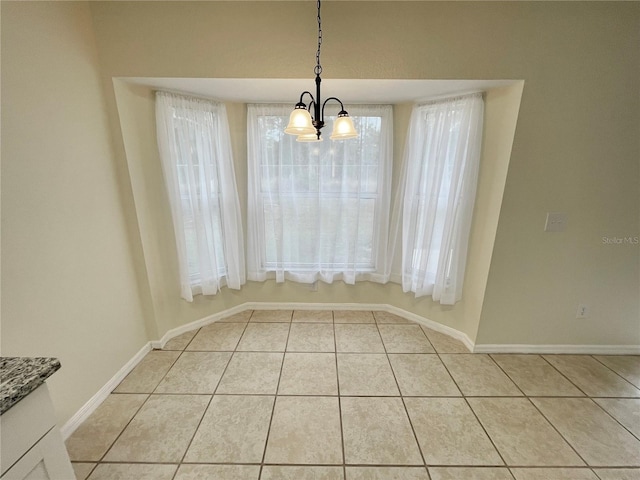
(319, 201)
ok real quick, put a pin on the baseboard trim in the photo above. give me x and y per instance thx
(94, 402)
(174, 332)
(438, 327)
(560, 349)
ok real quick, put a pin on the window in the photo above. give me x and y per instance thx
(318, 210)
(194, 144)
(438, 186)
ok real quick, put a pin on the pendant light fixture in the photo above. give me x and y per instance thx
(306, 126)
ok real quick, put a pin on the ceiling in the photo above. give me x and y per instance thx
(278, 90)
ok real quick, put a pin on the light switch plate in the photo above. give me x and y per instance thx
(556, 222)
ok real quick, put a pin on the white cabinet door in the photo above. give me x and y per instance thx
(46, 460)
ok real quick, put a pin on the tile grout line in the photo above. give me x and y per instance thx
(557, 369)
(540, 412)
(558, 432)
(154, 392)
(598, 397)
(614, 371)
(335, 356)
(210, 399)
(464, 397)
(593, 399)
(137, 410)
(275, 399)
(404, 405)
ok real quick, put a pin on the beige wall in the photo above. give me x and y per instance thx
(68, 286)
(87, 274)
(83, 273)
(135, 105)
(575, 148)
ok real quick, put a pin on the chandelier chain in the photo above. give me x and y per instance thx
(318, 68)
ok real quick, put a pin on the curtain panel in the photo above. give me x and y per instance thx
(197, 162)
(319, 211)
(435, 199)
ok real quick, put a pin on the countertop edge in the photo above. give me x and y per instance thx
(19, 376)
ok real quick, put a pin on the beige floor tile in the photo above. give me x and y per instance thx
(598, 438)
(313, 316)
(161, 430)
(625, 410)
(271, 316)
(273, 472)
(618, 473)
(217, 337)
(233, 430)
(449, 433)
(444, 343)
(181, 341)
(386, 317)
(358, 339)
(241, 317)
(306, 337)
(627, 366)
(387, 473)
(195, 372)
(130, 471)
(368, 426)
(366, 374)
(592, 377)
(422, 376)
(146, 376)
(218, 472)
(94, 436)
(535, 376)
(550, 473)
(478, 375)
(305, 430)
(523, 436)
(309, 374)
(353, 316)
(264, 337)
(82, 470)
(252, 373)
(470, 473)
(405, 339)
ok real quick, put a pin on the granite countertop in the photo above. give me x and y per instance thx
(19, 376)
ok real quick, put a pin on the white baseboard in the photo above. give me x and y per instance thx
(94, 402)
(88, 408)
(560, 349)
(174, 332)
(438, 327)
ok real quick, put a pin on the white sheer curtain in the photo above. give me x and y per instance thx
(319, 211)
(435, 199)
(195, 150)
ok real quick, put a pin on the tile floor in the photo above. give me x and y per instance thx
(360, 395)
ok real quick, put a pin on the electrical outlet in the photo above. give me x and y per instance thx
(583, 311)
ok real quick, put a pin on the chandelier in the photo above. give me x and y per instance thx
(306, 126)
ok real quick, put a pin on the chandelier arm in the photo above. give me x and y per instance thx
(302, 96)
(337, 100)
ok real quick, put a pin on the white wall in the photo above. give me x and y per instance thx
(68, 284)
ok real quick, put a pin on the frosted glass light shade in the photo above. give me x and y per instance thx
(309, 137)
(300, 122)
(343, 127)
